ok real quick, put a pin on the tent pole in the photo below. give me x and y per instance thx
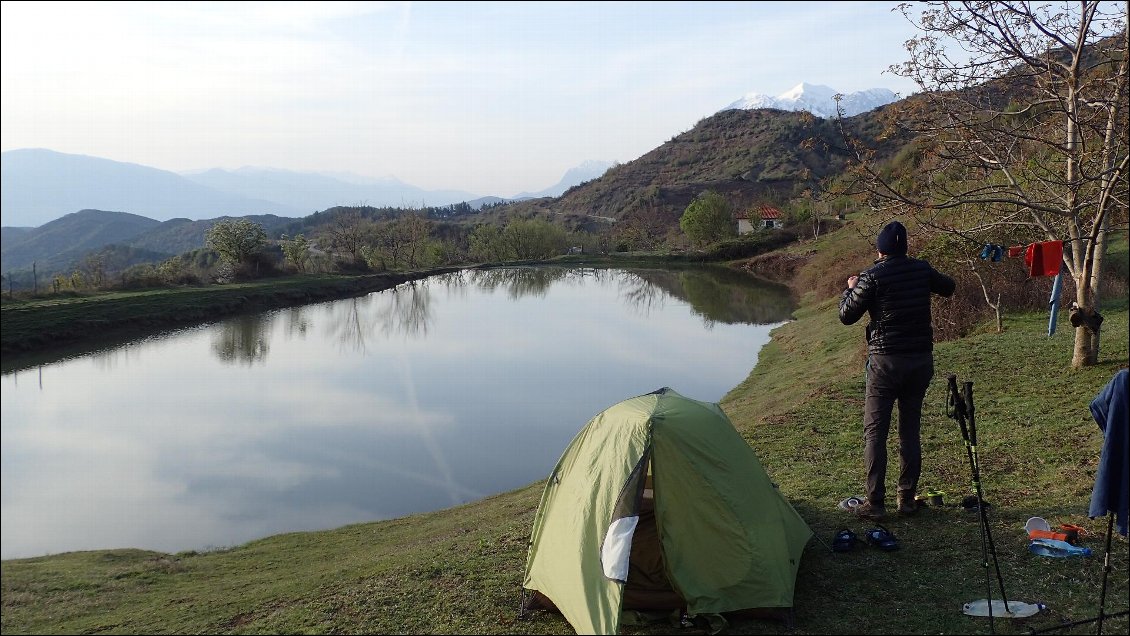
(1106, 569)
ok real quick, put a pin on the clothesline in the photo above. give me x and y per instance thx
(1042, 259)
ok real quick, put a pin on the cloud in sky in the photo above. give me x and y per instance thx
(491, 98)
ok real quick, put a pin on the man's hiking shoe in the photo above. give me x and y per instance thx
(845, 541)
(908, 504)
(868, 510)
(882, 538)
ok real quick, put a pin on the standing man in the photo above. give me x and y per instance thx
(895, 292)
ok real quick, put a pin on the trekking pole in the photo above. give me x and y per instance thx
(968, 386)
(956, 408)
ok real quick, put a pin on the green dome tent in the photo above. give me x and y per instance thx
(658, 503)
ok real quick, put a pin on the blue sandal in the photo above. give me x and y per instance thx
(845, 541)
(882, 538)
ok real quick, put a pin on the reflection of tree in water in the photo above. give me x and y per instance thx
(243, 339)
(521, 281)
(408, 310)
(404, 310)
(297, 322)
(108, 359)
(717, 294)
(641, 293)
(720, 295)
(455, 283)
(349, 323)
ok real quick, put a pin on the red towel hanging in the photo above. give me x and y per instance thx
(1044, 259)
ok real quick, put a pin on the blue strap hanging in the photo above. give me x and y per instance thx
(1057, 287)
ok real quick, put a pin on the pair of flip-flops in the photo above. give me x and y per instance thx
(845, 540)
(882, 538)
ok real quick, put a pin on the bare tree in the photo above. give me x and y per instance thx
(995, 306)
(347, 234)
(1021, 124)
(296, 250)
(94, 267)
(414, 231)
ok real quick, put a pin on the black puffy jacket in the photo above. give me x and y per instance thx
(895, 291)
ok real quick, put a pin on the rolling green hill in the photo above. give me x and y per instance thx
(57, 243)
(120, 239)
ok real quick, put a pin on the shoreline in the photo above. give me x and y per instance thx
(51, 328)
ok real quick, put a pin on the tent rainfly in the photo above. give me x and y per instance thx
(657, 504)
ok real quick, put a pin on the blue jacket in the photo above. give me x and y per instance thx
(1112, 479)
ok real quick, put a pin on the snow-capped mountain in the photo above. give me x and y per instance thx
(818, 100)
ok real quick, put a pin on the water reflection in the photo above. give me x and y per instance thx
(350, 323)
(715, 295)
(723, 296)
(297, 322)
(408, 311)
(412, 399)
(244, 339)
(520, 282)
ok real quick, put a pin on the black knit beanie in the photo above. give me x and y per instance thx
(892, 240)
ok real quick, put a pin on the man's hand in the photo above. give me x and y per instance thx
(852, 280)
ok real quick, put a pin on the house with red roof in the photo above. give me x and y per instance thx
(764, 217)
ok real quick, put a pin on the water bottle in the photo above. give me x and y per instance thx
(1056, 548)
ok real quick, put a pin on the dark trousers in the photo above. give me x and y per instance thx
(890, 379)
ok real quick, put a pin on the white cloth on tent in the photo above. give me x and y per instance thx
(617, 548)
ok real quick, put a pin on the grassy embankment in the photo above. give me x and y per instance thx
(459, 570)
(47, 325)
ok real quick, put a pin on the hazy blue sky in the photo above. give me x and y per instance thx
(491, 98)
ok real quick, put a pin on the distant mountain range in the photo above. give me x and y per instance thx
(39, 185)
(312, 192)
(587, 171)
(818, 100)
(60, 244)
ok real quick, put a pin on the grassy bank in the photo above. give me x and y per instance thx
(459, 570)
(39, 326)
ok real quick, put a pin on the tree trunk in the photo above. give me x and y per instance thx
(1086, 352)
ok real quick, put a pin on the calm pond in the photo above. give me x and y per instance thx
(425, 396)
